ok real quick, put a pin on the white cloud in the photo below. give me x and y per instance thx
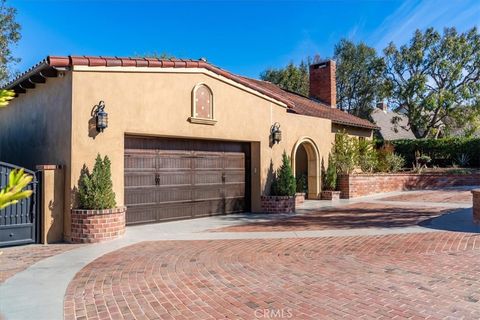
(412, 15)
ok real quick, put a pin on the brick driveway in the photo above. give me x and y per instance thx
(358, 215)
(450, 196)
(433, 275)
(411, 276)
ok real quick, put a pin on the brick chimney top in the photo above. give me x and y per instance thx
(323, 82)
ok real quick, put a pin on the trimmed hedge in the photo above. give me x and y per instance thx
(444, 152)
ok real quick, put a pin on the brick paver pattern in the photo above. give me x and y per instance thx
(449, 196)
(358, 215)
(16, 259)
(413, 276)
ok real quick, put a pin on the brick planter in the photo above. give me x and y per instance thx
(274, 204)
(476, 206)
(89, 226)
(299, 198)
(357, 185)
(330, 195)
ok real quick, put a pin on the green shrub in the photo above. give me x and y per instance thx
(345, 153)
(95, 190)
(388, 161)
(302, 185)
(395, 162)
(443, 152)
(367, 155)
(330, 181)
(284, 183)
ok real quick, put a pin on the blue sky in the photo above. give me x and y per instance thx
(244, 37)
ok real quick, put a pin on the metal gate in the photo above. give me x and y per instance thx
(19, 222)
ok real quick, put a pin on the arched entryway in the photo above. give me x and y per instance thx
(305, 161)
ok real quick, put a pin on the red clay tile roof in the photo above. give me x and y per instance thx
(309, 107)
(296, 103)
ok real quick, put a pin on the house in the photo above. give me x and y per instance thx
(392, 125)
(185, 138)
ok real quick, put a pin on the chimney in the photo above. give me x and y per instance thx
(382, 106)
(323, 82)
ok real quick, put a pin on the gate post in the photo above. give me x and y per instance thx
(52, 193)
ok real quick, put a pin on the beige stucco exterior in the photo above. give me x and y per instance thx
(54, 123)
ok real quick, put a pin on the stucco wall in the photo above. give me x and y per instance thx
(159, 104)
(35, 127)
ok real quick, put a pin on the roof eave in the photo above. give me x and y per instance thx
(350, 124)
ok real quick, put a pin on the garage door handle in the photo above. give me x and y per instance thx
(157, 179)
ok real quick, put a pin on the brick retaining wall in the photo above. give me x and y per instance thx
(358, 185)
(274, 204)
(89, 226)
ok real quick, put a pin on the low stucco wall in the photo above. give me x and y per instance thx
(357, 185)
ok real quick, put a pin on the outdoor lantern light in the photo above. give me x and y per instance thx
(276, 133)
(101, 117)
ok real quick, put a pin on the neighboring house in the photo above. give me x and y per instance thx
(392, 125)
(185, 138)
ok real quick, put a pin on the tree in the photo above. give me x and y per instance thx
(9, 36)
(359, 77)
(433, 76)
(292, 78)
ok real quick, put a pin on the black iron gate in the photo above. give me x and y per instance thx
(19, 223)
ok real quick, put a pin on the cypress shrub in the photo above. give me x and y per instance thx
(284, 183)
(330, 181)
(95, 190)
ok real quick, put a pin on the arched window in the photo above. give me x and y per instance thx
(202, 105)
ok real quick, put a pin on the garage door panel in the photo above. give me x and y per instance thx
(175, 194)
(154, 213)
(234, 190)
(208, 193)
(207, 162)
(139, 179)
(207, 177)
(136, 196)
(234, 177)
(208, 208)
(176, 161)
(140, 162)
(168, 179)
(173, 179)
(234, 161)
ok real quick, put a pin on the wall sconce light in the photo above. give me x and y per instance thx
(101, 117)
(276, 133)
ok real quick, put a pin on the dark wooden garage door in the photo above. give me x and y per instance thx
(168, 179)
